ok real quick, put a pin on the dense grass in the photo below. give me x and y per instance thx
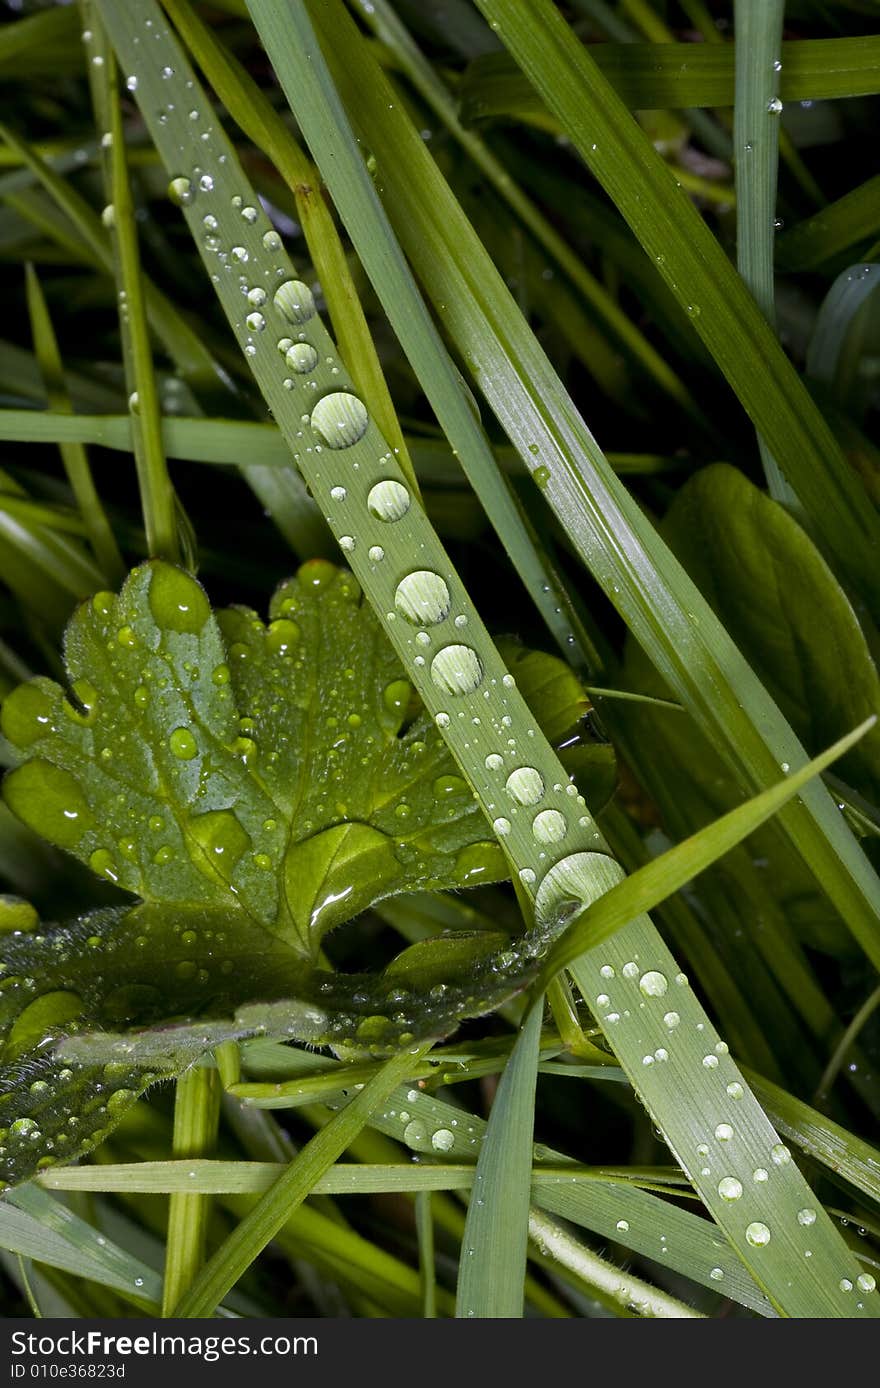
(556, 325)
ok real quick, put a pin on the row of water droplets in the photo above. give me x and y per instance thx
(541, 820)
(539, 816)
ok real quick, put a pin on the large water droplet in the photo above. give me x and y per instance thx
(223, 842)
(295, 301)
(423, 598)
(549, 826)
(729, 1188)
(301, 357)
(388, 501)
(282, 636)
(49, 800)
(573, 883)
(757, 1234)
(177, 602)
(27, 713)
(443, 1140)
(180, 191)
(457, 670)
(183, 745)
(526, 785)
(653, 984)
(341, 419)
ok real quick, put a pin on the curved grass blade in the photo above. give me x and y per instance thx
(493, 1265)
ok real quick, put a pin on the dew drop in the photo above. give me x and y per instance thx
(493, 762)
(338, 493)
(866, 1282)
(774, 106)
(294, 300)
(806, 1216)
(760, 1174)
(376, 554)
(282, 636)
(443, 1140)
(255, 322)
(757, 1234)
(780, 1154)
(388, 501)
(457, 670)
(347, 543)
(671, 1020)
(271, 241)
(301, 357)
(525, 785)
(729, 1188)
(501, 826)
(549, 826)
(103, 863)
(622, 1226)
(176, 601)
(422, 598)
(180, 191)
(653, 984)
(717, 1274)
(573, 883)
(340, 419)
(183, 745)
(723, 1132)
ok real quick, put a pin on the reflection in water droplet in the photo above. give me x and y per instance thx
(729, 1188)
(294, 300)
(526, 785)
(423, 598)
(388, 501)
(341, 419)
(806, 1216)
(549, 826)
(780, 1154)
(723, 1132)
(653, 984)
(301, 357)
(573, 883)
(457, 670)
(501, 826)
(443, 1140)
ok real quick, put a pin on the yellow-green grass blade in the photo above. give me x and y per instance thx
(637, 572)
(196, 1119)
(471, 680)
(841, 226)
(493, 1263)
(73, 455)
(652, 76)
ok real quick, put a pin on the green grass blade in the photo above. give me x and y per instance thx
(196, 1116)
(73, 455)
(264, 1221)
(844, 224)
(493, 1266)
(756, 141)
(654, 76)
(660, 605)
(676, 238)
(319, 113)
(425, 1236)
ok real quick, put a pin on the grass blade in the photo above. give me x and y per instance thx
(491, 1273)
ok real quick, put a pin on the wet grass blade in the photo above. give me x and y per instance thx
(493, 1265)
(844, 224)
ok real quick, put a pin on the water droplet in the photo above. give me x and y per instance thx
(735, 1090)
(457, 670)
(255, 322)
(49, 800)
(220, 674)
(180, 191)
(103, 863)
(710, 1062)
(527, 876)
(757, 1234)
(774, 106)
(396, 696)
(338, 493)
(653, 984)
(671, 1020)
(729, 1188)
(806, 1216)
(443, 1140)
(501, 826)
(415, 1133)
(347, 543)
(717, 1274)
(442, 720)
(376, 554)
(222, 840)
(271, 241)
(760, 1174)
(340, 419)
(176, 601)
(423, 598)
(525, 785)
(294, 300)
(283, 635)
(622, 1226)
(301, 357)
(240, 254)
(541, 476)
(27, 713)
(131, 83)
(388, 501)
(183, 745)
(723, 1132)
(866, 1282)
(780, 1154)
(493, 762)
(549, 826)
(108, 216)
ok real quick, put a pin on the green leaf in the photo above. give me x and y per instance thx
(768, 582)
(254, 786)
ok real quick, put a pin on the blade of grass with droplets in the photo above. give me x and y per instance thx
(852, 219)
(758, 31)
(657, 76)
(549, 836)
(674, 235)
(639, 575)
(264, 1221)
(493, 1263)
(73, 455)
(253, 113)
(322, 121)
(389, 29)
(157, 493)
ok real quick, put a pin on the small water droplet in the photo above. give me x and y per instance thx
(723, 1132)
(183, 745)
(653, 984)
(443, 1140)
(525, 785)
(729, 1188)
(774, 106)
(294, 300)
(301, 357)
(757, 1234)
(388, 501)
(549, 826)
(180, 191)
